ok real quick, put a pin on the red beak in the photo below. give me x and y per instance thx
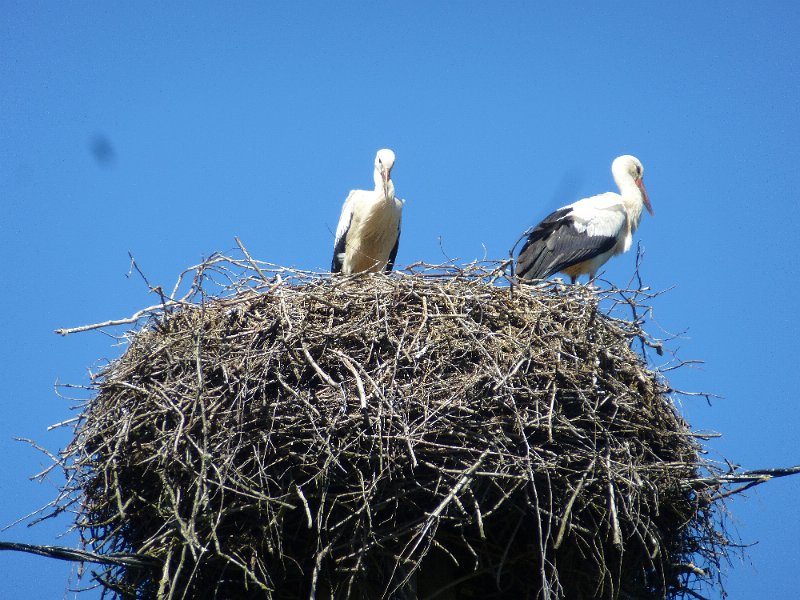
(640, 183)
(386, 173)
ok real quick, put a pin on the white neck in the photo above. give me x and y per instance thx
(632, 198)
(379, 187)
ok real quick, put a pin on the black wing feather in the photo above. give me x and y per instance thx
(393, 253)
(555, 244)
(338, 250)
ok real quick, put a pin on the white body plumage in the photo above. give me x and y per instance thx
(368, 234)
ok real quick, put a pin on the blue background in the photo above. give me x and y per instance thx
(166, 130)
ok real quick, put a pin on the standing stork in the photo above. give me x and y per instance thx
(579, 238)
(368, 233)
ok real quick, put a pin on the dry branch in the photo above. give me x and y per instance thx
(120, 559)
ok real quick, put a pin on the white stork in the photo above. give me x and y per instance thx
(369, 228)
(579, 238)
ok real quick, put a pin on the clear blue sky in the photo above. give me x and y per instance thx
(256, 119)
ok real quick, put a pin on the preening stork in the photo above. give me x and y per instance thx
(579, 238)
(369, 227)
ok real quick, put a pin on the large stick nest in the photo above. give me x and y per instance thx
(424, 434)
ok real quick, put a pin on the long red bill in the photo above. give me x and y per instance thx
(640, 183)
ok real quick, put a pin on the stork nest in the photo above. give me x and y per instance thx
(429, 434)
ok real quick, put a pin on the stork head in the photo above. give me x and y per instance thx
(384, 161)
(628, 168)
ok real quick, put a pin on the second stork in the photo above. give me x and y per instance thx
(579, 238)
(368, 234)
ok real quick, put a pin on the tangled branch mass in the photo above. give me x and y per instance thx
(427, 434)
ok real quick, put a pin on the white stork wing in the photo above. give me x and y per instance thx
(572, 234)
(599, 216)
(340, 242)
